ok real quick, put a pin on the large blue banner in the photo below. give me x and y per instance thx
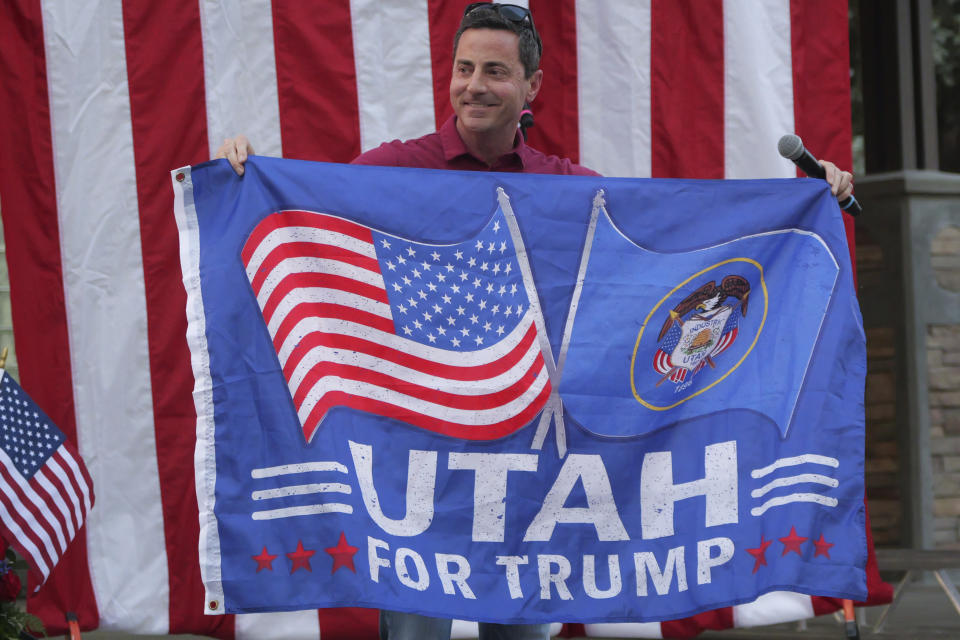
(520, 398)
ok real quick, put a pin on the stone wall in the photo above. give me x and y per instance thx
(882, 463)
(943, 371)
(943, 362)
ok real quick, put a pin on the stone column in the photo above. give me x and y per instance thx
(910, 297)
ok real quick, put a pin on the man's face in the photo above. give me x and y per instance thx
(488, 87)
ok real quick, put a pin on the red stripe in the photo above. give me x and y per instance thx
(686, 89)
(310, 250)
(317, 311)
(716, 619)
(282, 219)
(478, 402)
(451, 372)
(444, 17)
(821, 85)
(556, 109)
(492, 432)
(32, 235)
(323, 281)
(349, 623)
(167, 102)
(316, 80)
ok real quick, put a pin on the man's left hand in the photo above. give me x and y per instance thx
(841, 182)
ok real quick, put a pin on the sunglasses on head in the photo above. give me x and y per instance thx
(516, 14)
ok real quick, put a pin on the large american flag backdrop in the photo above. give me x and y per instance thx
(100, 99)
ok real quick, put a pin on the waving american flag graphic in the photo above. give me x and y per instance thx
(438, 336)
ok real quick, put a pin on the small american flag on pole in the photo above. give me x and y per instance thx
(45, 490)
(442, 337)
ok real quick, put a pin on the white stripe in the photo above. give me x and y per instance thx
(66, 458)
(282, 236)
(757, 87)
(285, 625)
(476, 358)
(309, 510)
(478, 418)
(309, 295)
(779, 501)
(14, 492)
(624, 630)
(786, 482)
(106, 309)
(54, 494)
(613, 84)
(414, 376)
(807, 458)
(21, 536)
(391, 50)
(240, 73)
(292, 266)
(301, 490)
(305, 467)
(773, 608)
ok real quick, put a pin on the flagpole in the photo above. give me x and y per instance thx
(3, 357)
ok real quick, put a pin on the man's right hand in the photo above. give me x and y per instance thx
(235, 150)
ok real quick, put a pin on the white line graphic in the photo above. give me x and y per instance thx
(791, 480)
(812, 458)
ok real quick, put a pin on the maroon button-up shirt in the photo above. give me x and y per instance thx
(444, 149)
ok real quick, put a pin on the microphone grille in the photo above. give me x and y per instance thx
(790, 146)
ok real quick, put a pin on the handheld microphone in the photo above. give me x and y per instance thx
(526, 119)
(791, 147)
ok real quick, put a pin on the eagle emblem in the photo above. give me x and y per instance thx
(700, 328)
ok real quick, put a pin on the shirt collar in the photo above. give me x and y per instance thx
(454, 147)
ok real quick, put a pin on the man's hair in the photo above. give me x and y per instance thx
(484, 18)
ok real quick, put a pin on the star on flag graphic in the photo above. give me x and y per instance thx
(342, 554)
(792, 542)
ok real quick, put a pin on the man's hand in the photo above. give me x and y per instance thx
(841, 182)
(236, 150)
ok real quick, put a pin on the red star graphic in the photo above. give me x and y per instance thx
(342, 554)
(792, 542)
(264, 560)
(301, 558)
(823, 547)
(759, 553)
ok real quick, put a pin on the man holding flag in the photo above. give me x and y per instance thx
(496, 74)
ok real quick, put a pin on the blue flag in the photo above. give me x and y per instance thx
(730, 326)
(520, 398)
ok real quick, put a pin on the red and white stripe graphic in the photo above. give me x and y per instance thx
(100, 99)
(318, 282)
